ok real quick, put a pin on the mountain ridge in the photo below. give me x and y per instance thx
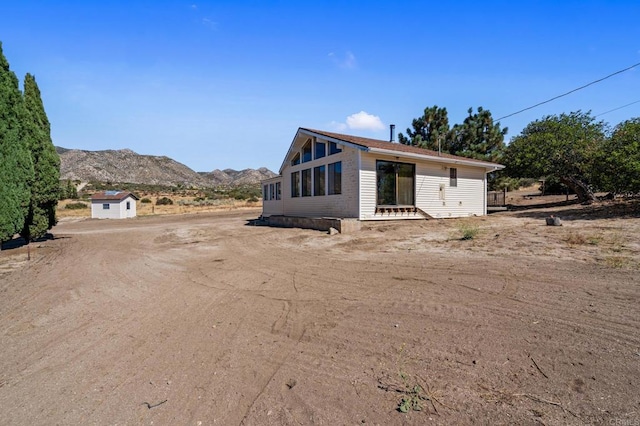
(127, 166)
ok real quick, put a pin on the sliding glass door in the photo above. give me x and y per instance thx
(396, 183)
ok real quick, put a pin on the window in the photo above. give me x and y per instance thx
(453, 176)
(278, 191)
(320, 150)
(106, 206)
(335, 178)
(128, 205)
(265, 192)
(306, 151)
(334, 148)
(319, 174)
(272, 191)
(306, 183)
(296, 159)
(395, 182)
(295, 184)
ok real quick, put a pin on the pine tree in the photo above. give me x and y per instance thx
(16, 168)
(46, 164)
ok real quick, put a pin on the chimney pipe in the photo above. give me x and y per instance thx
(392, 130)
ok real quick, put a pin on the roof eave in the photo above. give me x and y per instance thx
(490, 167)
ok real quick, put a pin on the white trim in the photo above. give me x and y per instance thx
(491, 167)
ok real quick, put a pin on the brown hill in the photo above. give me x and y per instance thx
(124, 165)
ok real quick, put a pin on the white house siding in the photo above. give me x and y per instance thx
(368, 189)
(272, 206)
(464, 200)
(97, 212)
(343, 205)
(132, 210)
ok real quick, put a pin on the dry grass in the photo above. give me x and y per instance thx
(148, 209)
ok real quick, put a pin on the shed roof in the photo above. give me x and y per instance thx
(112, 195)
(380, 145)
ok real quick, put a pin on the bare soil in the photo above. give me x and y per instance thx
(203, 319)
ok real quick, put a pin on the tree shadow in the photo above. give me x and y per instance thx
(21, 242)
(603, 210)
(256, 222)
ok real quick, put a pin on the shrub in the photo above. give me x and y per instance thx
(469, 232)
(145, 201)
(76, 206)
(164, 201)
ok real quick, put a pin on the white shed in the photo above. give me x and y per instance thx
(113, 205)
(328, 174)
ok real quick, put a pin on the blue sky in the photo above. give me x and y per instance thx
(226, 84)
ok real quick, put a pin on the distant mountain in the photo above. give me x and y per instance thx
(124, 165)
(234, 177)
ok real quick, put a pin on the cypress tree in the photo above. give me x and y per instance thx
(16, 168)
(46, 164)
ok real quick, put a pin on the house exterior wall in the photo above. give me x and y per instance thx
(466, 199)
(344, 205)
(116, 210)
(272, 206)
(123, 206)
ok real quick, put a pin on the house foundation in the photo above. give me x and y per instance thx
(344, 226)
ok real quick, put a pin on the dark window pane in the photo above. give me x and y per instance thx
(295, 184)
(278, 191)
(335, 178)
(453, 176)
(386, 182)
(334, 148)
(306, 151)
(306, 183)
(321, 150)
(319, 180)
(296, 159)
(265, 192)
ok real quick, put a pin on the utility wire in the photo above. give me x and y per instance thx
(615, 109)
(569, 92)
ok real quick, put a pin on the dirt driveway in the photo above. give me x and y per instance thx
(201, 319)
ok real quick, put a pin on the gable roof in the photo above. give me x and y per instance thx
(394, 148)
(112, 196)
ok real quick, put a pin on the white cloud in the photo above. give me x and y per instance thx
(348, 61)
(364, 121)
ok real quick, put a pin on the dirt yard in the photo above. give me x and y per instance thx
(203, 319)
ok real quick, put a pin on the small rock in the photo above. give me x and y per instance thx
(333, 231)
(553, 221)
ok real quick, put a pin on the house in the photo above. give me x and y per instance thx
(333, 175)
(113, 205)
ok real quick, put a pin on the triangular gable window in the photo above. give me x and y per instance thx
(296, 159)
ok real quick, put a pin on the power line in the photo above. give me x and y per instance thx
(569, 92)
(615, 109)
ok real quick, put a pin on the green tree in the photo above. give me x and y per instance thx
(46, 164)
(429, 131)
(477, 137)
(616, 168)
(562, 146)
(67, 190)
(16, 168)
